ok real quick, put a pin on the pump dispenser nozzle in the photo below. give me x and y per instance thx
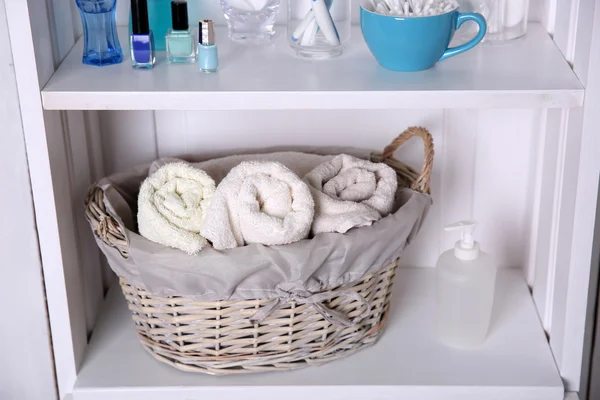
(466, 248)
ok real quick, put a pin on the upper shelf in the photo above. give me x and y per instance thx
(526, 73)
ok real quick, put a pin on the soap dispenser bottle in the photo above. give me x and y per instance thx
(466, 279)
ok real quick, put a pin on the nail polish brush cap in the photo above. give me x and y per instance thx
(179, 15)
(139, 17)
(206, 31)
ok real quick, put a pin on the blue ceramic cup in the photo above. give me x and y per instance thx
(415, 43)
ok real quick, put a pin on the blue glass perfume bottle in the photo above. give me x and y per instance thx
(101, 42)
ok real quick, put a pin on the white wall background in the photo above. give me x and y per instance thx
(478, 180)
(485, 165)
(200, 9)
(26, 362)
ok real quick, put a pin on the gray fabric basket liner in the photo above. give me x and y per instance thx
(255, 271)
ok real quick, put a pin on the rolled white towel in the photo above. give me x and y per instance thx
(350, 192)
(172, 204)
(259, 202)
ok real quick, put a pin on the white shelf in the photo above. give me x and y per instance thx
(526, 73)
(515, 363)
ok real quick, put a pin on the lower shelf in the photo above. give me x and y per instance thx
(408, 362)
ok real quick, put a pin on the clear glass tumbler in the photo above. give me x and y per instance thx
(319, 29)
(101, 42)
(250, 21)
(507, 19)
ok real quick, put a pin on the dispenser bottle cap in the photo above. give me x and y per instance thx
(179, 15)
(466, 249)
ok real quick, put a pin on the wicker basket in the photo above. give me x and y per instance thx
(218, 337)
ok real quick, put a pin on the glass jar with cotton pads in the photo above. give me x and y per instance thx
(507, 19)
(469, 29)
(250, 21)
(319, 29)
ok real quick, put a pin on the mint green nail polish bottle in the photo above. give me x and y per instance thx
(180, 40)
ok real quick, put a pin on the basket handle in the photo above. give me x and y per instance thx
(423, 182)
(103, 223)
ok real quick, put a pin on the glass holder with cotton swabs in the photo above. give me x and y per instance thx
(319, 29)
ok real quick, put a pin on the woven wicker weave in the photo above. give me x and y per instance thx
(218, 337)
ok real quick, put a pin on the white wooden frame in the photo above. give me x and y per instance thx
(27, 366)
(56, 189)
(56, 150)
(569, 193)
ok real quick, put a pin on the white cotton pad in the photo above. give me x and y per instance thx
(259, 4)
(248, 5)
(514, 12)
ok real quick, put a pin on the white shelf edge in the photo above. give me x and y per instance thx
(351, 100)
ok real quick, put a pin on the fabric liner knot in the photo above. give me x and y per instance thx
(316, 301)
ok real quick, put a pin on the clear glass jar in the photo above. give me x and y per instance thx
(506, 19)
(250, 21)
(319, 29)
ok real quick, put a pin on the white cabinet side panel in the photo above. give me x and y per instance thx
(566, 18)
(548, 152)
(81, 178)
(561, 295)
(26, 369)
(64, 22)
(33, 53)
(583, 130)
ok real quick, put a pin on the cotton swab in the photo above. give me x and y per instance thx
(308, 31)
(382, 9)
(323, 18)
(416, 8)
(310, 34)
(310, 17)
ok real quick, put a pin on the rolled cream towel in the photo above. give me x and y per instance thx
(259, 202)
(350, 192)
(172, 204)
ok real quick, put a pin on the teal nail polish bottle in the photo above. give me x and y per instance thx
(180, 41)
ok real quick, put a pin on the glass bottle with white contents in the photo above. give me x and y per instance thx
(319, 29)
(506, 19)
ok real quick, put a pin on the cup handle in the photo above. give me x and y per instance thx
(463, 17)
